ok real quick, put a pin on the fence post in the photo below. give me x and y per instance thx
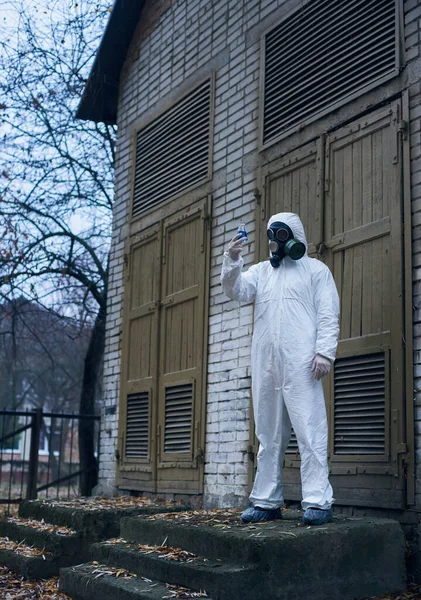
(31, 491)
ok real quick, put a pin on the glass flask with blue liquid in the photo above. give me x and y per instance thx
(242, 230)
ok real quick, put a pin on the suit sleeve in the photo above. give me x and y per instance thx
(237, 285)
(326, 301)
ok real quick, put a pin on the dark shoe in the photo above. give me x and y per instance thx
(254, 514)
(317, 516)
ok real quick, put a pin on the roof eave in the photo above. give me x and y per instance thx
(100, 96)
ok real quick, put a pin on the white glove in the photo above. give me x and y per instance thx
(321, 367)
(235, 247)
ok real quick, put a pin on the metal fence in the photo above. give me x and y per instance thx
(39, 454)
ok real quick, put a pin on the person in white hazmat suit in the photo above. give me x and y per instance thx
(296, 328)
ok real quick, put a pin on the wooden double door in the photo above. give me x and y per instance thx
(161, 417)
(347, 188)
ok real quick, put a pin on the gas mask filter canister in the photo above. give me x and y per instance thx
(282, 243)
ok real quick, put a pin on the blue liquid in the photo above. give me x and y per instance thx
(243, 234)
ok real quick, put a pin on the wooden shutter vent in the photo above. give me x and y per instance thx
(172, 153)
(178, 418)
(360, 401)
(292, 447)
(137, 426)
(323, 53)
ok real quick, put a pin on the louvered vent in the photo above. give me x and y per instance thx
(137, 426)
(360, 405)
(172, 153)
(292, 447)
(178, 418)
(323, 53)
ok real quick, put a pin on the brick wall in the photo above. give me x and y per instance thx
(186, 35)
(163, 61)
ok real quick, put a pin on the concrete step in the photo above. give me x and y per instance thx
(67, 546)
(85, 582)
(23, 560)
(94, 518)
(222, 580)
(343, 560)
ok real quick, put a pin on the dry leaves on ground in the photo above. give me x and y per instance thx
(21, 549)
(162, 551)
(123, 502)
(176, 591)
(12, 587)
(42, 526)
(169, 553)
(413, 592)
(211, 518)
(101, 570)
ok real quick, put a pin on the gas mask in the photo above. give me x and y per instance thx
(282, 243)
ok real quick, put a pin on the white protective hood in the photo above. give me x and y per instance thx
(293, 221)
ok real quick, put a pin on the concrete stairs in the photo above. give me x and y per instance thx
(42, 548)
(211, 551)
(49, 535)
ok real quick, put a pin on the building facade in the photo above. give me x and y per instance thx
(228, 112)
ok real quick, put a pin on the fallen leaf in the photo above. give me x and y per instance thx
(41, 526)
(13, 587)
(22, 549)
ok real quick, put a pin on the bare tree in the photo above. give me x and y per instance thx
(41, 358)
(57, 177)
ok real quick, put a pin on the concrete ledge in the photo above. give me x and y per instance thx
(63, 546)
(220, 579)
(94, 524)
(30, 567)
(81, 583)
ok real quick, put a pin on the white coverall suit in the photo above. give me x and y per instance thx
(296, 317)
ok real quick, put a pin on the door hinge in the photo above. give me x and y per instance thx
(251, 451)
(321, 250)
(327, 159)
(119, 451)
(257, 195)
(199, 455)
(401, 448)
(126, 267)
(403, 128)
(158, 443)
(402, 451)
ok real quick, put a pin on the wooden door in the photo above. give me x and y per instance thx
(364, 241)
(347, 189)
(182, 352)
(162, 401)
(139, 363)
